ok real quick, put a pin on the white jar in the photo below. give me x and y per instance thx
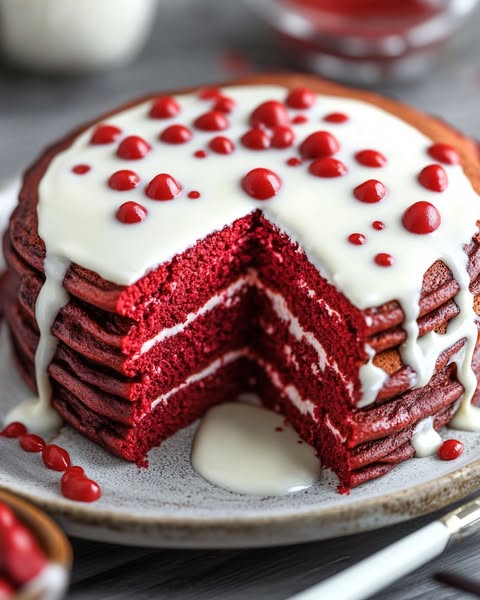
(74, 35)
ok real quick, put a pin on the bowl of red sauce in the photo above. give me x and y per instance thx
(365, 41)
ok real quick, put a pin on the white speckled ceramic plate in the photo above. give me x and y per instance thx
(168, 504)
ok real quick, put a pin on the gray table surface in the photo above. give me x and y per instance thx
(191, 43)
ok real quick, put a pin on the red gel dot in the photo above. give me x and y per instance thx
(164, 107)
(293, 161)
(130, 213)
(300, 119)
(123, 180)
(81, 489)
(270, 114)
(450, 449)
(213, 120)
(200, 154)
(81, 169)
(384, 260)
(371, 158)
(72, 473)
(14, 430)
(209, 93)
(301, 97)
(444, 153)
(32, 443)
(434, 178)
(282, 137)
(319, 145)
(221, 145)
(176, 134)
(224, 104)
(421, 218)
(194, 195)
(105, 134)
(370, 191)
(261, 184)
(378, 225)
(327, 167)
(255, 139)
(163, 187)
(133, 147)
(336, 117)
(55, 457)
(357, 238)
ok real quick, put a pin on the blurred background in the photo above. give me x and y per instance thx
(64, 61)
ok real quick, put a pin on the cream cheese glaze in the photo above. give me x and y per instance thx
(77, 222)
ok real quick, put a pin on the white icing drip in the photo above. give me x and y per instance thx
(372, 379)
(425, 439)
(237, 447)
(341, 438)
(49, 584)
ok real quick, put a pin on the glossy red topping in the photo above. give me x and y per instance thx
(221, 145)
(450, 449)
(444, 153)
(293, 161)
(421, 218)
(163, 187)
(370, 191)
(282, 136)
(81, 169)
(327, 167)
(194, 195)
(301, 97)
(176, 134)
(336, 117)
(209, 93)
(270, 114)
(55, 457)
(384, 260)
(14, 430)
(80, 488)
(200, 154)
(133, 147)
(256, 139)
(164, 107)
(21, 557)
(371, 158)
(72, 473)
(357, 238)
(123, 180)
(213, 120)
(7, 518)
(378, 225)
(225, 104)
(319, 145)
(261, 183)
(32, 443)
(105, 134)
(299, 119)
(130, 213)
(434, 178)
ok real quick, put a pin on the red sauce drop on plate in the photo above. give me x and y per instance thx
(450, 449)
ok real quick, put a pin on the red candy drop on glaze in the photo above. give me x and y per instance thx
(378, 225)
(105, 134)
(261, 184)
(370, 191)
(176, 134)
(270, 114)
(213, 120)
(256, 139)
(163, 187)
(80, 488)
(32, 443)
(421, 218)
(293, 161)
(444, 153)
(434, 178)
(371, 158)
(55, 457)
(123, 180)
(224, 104)
(14, 430)
(300, 119)
(358, 239)
(81, 169)
(130, 213)
(301, 97)
(194, 195)
(327, 167)
(450, 449)
(164, 107)
(209, 93)
(133, 147)
(384, 260)
(336, 117)
(221, 145)
(282, 137)
(319, 145)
